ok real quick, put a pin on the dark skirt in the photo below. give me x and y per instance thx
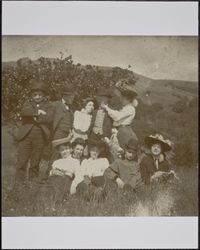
(125, 133)
(92, 191)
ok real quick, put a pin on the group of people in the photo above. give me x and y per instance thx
(92, 149)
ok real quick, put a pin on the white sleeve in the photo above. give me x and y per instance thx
(55, 164)
(121, 114)
(106, 163)
(76, 113)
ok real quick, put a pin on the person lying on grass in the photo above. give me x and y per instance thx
(62, 177)
(154, 167)
(125, 172)
(92, 170)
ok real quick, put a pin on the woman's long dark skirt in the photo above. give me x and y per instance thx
(92, 191)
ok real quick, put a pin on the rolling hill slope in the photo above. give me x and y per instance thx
(163, 91)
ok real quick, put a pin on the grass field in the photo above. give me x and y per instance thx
(171, 199)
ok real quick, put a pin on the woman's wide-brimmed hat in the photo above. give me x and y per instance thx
(166, 144)
(38, 85)
(104, 92)
(125, 88)
(97, 143)
(128, 92)
(132, 144)
(58, 142)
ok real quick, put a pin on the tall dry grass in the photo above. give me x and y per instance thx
(167, 199)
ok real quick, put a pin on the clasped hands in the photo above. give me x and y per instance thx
(120, 183)
(104, 106)
(41, 112)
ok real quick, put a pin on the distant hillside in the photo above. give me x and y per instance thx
(150, 91)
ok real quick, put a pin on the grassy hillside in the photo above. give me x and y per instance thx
(171, 199)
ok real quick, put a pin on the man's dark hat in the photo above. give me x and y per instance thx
(89, 99)
(38, 85)
(68, 90)
(78, 141)
(98, 143)
(132, 145)
(104, 92)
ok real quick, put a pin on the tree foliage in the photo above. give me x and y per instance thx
(55, 73)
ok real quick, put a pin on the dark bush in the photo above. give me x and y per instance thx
(55, 73)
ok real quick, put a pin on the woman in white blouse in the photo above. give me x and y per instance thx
(82, 120)
(122, 119)
(92, 169)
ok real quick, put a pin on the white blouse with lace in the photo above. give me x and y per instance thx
(82, 120)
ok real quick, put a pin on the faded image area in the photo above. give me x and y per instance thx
(99, 125)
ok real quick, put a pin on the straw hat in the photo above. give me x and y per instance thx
(158, 138)
(59, 142)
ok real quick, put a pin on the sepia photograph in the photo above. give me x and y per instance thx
(99, 126)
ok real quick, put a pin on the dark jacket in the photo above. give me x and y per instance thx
(148, 167)
(30, 118)
(127, 171)
(60, 113)
(107, 124)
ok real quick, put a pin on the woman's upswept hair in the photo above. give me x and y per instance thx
(88, 99)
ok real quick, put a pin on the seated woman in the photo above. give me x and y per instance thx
(82, 120)
(61, 178)
(92, 169)
(154, 166)
(123, 118)
(125, 173)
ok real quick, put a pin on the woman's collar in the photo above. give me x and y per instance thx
(72, 156)
(84, 111)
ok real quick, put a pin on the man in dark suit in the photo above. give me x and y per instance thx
(62, 121)
(63, 115)
(34, 132)
(101, 124)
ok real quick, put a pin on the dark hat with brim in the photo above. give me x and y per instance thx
(37, 85)
(68, 90)
(132, 145)
(96, 143)
(78, 141)
(125, 88)
(89, 99)
(104, 92)
(158, 139)
(128, 92)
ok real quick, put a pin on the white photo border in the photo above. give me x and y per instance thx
(99, 18)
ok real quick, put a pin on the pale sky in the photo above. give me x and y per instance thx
(158, 57)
